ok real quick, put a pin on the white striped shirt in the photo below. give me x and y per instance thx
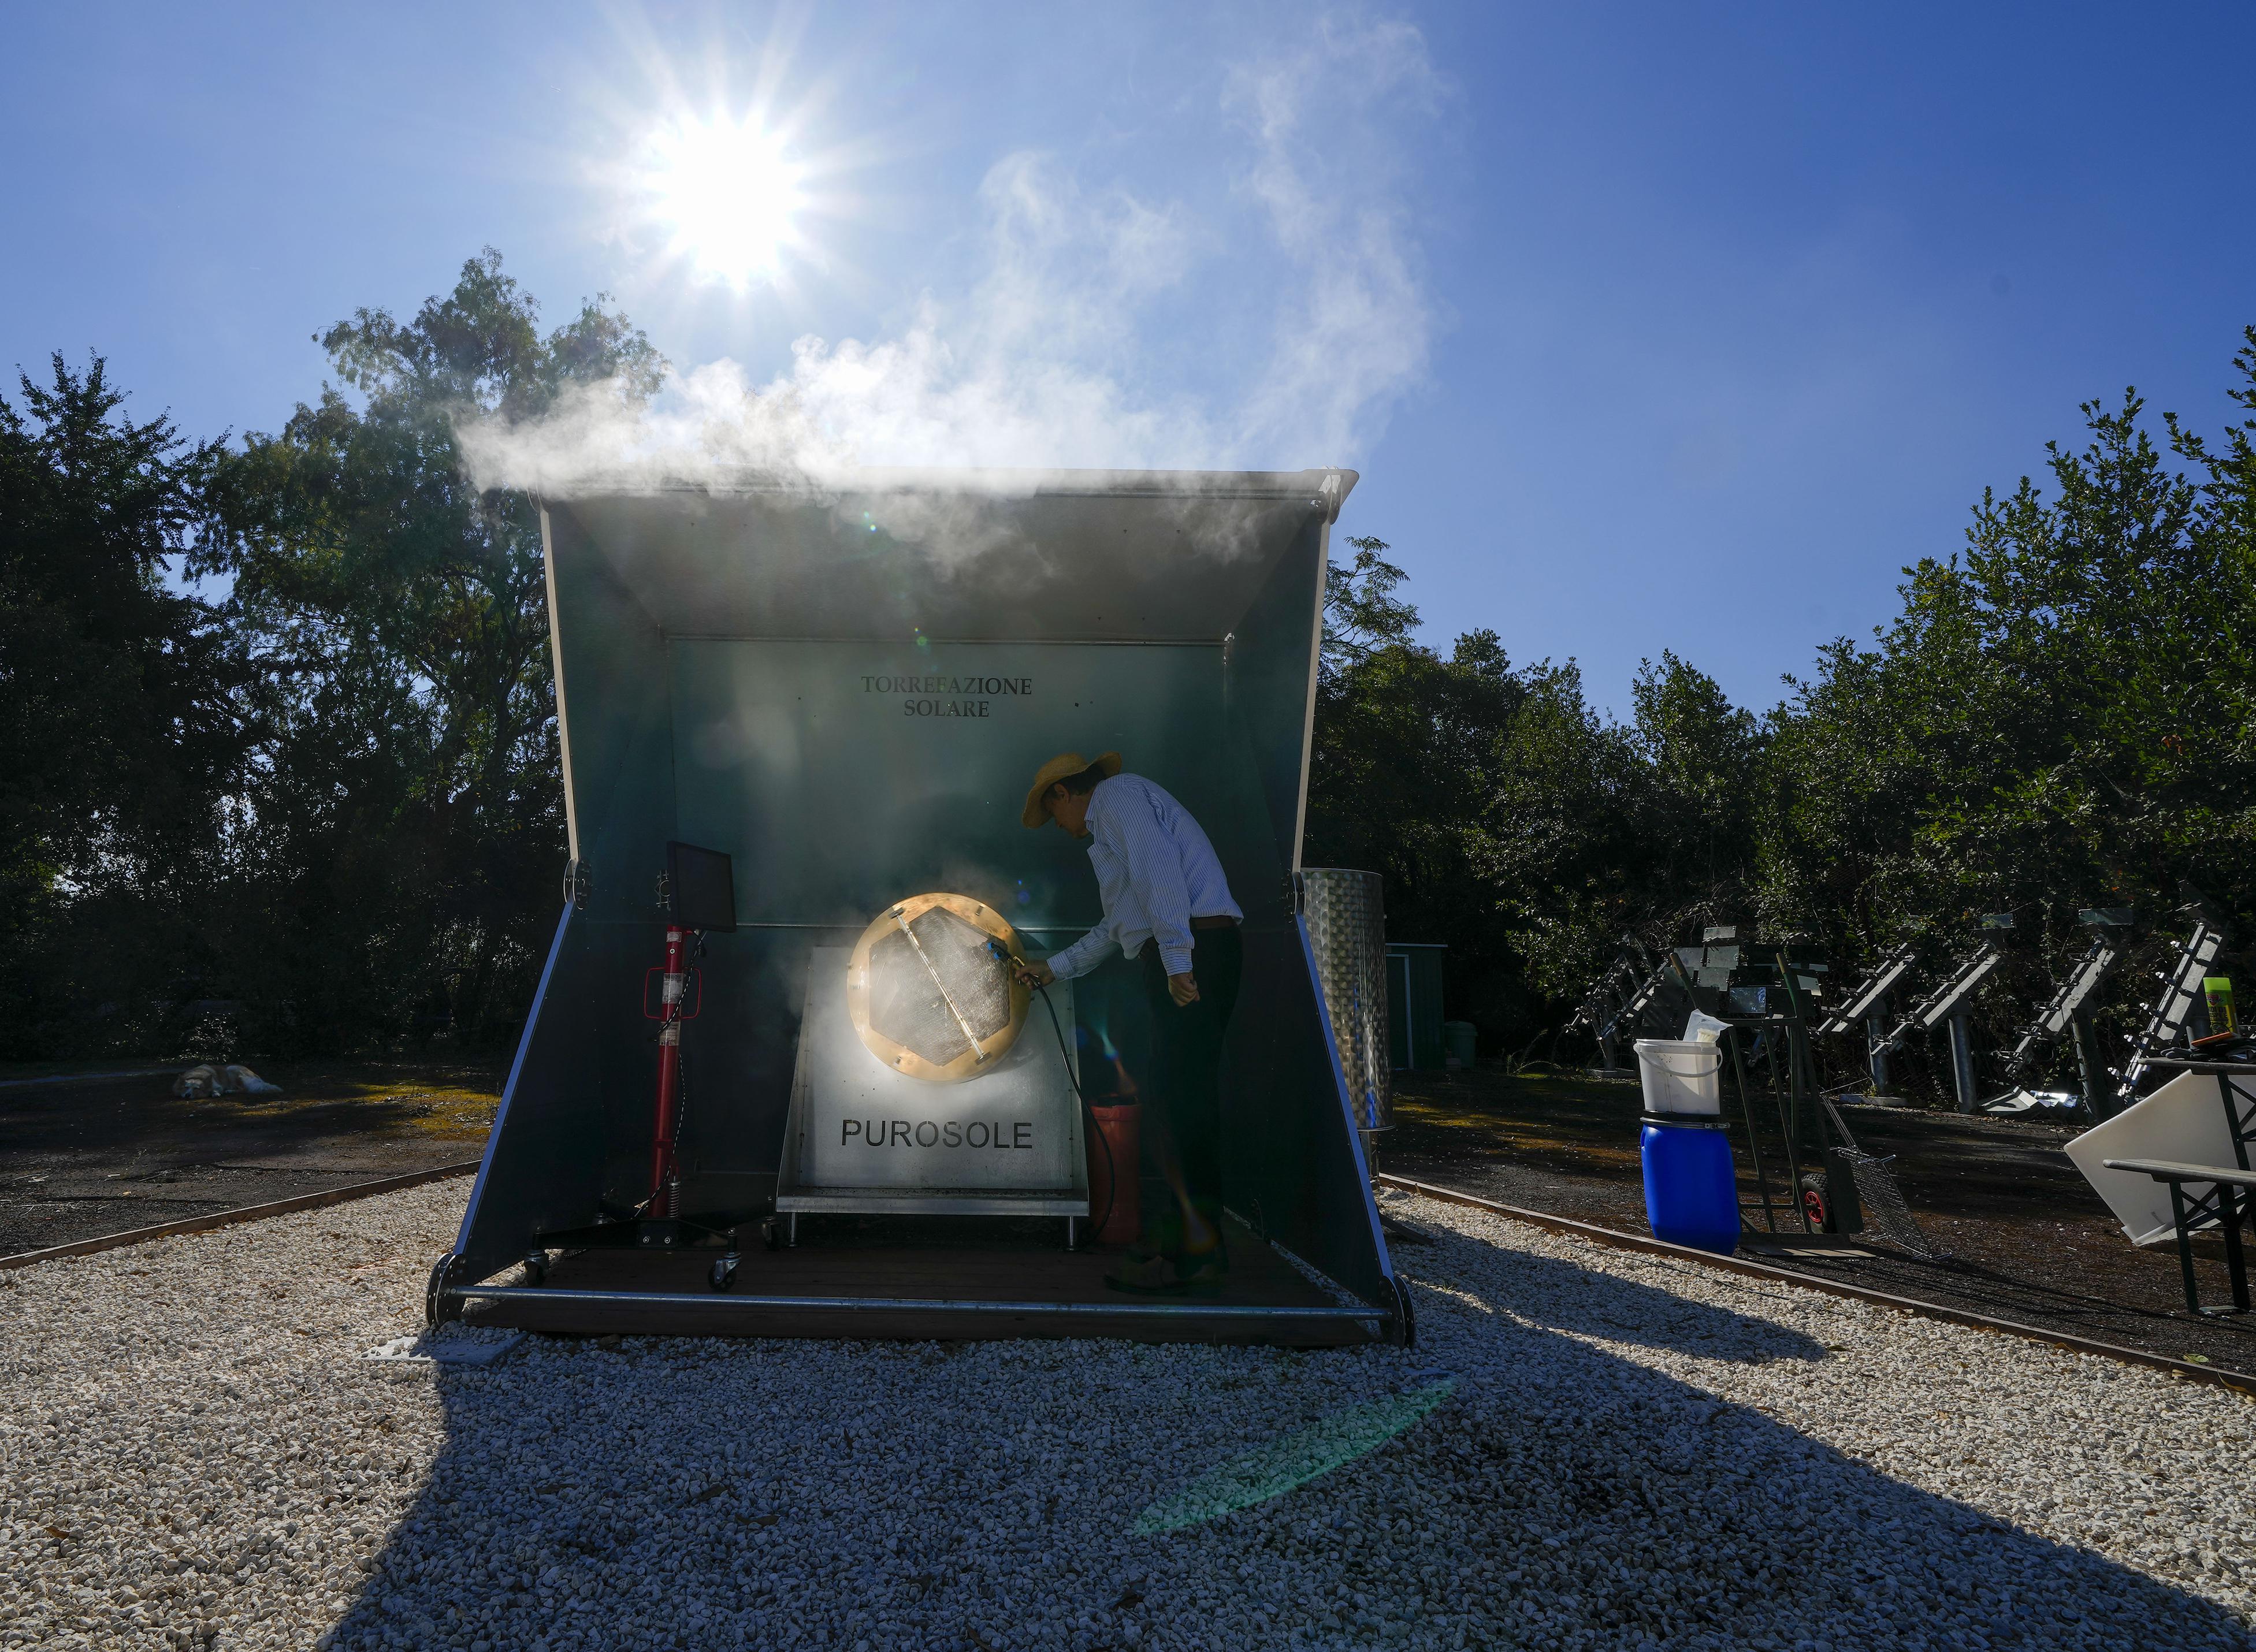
(1155, 872)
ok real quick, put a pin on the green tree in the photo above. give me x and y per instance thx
(1486, 794)
(1703, 758)
(404, 849)
(124, 705)
(2059, 718)
(2063, 715)
(1361, 611)
(1563, 806)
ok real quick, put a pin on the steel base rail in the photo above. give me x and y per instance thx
(906, 1305)
(2240, 1382)
(241, 1213)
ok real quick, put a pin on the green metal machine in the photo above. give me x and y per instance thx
(846, 692)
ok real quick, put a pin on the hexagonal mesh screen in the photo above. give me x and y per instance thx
(907, 1004)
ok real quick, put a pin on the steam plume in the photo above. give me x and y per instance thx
(1038, 366)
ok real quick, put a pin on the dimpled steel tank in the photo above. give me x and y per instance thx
(1346, 915)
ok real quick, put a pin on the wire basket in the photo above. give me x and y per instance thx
(1885, 1213)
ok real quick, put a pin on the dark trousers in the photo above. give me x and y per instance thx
(1186, 1060)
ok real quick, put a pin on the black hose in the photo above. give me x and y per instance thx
(1111, 1170)
(1011, 961)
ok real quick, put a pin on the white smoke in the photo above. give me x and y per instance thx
(1042, 363)
(1356, 335)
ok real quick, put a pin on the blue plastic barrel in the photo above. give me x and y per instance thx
(1691, 1194)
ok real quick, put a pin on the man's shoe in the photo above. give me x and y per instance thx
(1203, 1272)
(1147, 1275)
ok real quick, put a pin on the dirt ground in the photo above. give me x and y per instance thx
(2027, 1239)
(80, 1158)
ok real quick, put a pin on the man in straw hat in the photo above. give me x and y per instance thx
(1166, 901)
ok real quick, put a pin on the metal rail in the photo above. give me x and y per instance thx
(241, 1213)
(2239, 1382)
(863, 1305)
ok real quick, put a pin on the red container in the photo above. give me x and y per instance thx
(1116, 1198)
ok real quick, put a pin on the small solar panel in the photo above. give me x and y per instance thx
(700, 889)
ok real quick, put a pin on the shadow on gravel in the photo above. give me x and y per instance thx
(863, 1497)
(1557, 1295)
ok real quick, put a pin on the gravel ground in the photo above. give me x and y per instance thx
(1625, 1451)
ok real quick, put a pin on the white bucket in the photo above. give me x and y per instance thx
(1680, 1077)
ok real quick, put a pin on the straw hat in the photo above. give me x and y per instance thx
(1057, 768)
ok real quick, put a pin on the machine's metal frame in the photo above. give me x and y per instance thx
(1867, 1003)
(1605, 1007)
(2182, 989)
(1636, 997)
(1766, 994)
(1946, 1002)
(795, 1196)
(1865, 998)
(1661, 1003)
(2066, 1013)
(687, 622)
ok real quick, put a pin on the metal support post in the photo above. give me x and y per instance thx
(1731, 1040)
(1876, 1028)
(665, 1177)
(1962, 1064)
(2098, 1093)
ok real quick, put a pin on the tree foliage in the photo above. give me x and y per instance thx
(124, 704)
(330, 796)
(1488, 795)
(399, 866)
(277, 725)
(2060, 717)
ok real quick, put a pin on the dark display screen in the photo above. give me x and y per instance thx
(700, 889)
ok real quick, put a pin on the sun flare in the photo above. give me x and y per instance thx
(728, 194)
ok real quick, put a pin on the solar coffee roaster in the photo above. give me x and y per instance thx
(845, 694)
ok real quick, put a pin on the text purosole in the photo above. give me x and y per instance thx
(978, 1133)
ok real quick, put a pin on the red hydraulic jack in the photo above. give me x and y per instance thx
(664, 1175)
(698, 896)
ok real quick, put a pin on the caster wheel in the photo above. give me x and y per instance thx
(438, 1305)
(771, 1235)
(723, 1274)
(1407, 1310)
(536, 1267)
(1813, 1204)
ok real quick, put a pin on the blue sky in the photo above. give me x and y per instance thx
(1648, 325)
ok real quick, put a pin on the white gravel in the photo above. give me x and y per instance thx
(194, 1450)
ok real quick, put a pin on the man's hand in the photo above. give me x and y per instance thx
(1035, 975)
(1183, 989)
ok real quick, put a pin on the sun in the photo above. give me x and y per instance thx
(727, 193)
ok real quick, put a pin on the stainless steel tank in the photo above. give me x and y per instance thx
(1346, 915)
